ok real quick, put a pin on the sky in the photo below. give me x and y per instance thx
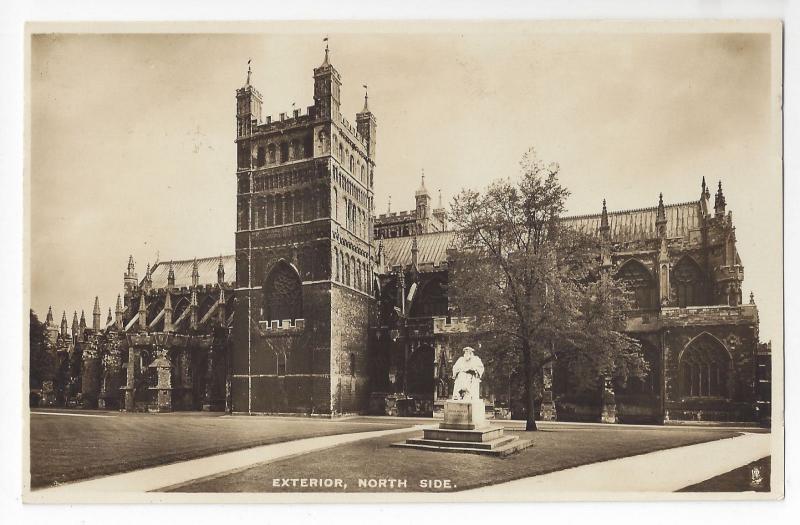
(132, 135)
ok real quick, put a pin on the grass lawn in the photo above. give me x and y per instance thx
(737, 480)
(555, 448)
(69, 448)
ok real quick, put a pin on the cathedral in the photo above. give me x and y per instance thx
(326, 308)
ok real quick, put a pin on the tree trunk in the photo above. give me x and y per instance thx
(530, 393)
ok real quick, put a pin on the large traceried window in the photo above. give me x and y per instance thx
(688, 283)
(640, 282)
(704, 366)
(283, 296)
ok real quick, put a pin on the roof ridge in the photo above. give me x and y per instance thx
(632, 210)
(190, 261)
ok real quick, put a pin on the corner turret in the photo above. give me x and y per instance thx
(367, 126)
(423, 198)
(248, 107)
(440, 213)
(327, 88)
(131, 280)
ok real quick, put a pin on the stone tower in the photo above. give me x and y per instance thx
(423, 202)
(304, 261)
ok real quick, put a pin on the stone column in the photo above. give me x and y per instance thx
(185, 370)
(130, 380)
(208, 401)
(609, 411)
(164, 385)
(548, 408)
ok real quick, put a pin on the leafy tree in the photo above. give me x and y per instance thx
(536, 287)
(42, 365)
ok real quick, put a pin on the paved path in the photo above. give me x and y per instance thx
(150, 479)
(662, 471)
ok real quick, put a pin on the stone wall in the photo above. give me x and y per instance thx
(350, 362)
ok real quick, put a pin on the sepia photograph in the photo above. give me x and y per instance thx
(403, 262)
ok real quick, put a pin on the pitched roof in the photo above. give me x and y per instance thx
(206, 269)
(432, 248)
(632, 225)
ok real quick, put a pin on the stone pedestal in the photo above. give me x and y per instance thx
(164, 386)
(466, 430)
(609, 410)
(547, 412)
(464, 415)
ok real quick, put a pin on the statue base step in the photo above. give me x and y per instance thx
(499, 446)
(466, 430)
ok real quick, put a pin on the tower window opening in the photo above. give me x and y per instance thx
(284, 152)
(261, 156)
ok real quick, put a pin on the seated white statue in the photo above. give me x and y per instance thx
(467, 371)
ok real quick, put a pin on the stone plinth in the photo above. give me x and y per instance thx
(466, 430)
(464, 415)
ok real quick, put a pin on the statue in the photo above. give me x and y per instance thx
(467, 371)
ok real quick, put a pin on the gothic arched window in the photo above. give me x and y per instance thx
(271, 153)
(259, 213)
(269, 211)
(336, 257)
(261, 156)
(336, 203)
(640, 282)
(279, 203)
(284, 151)
(704, 366)
(687, 279)
(283, 296)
